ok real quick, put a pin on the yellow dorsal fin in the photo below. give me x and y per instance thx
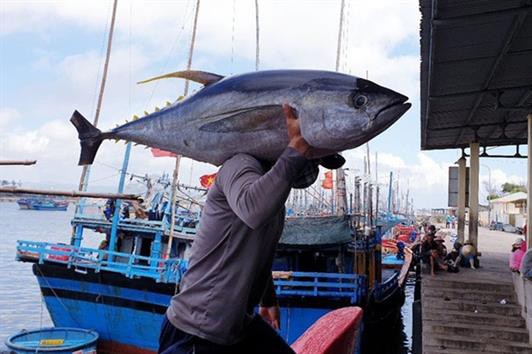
(201, 77)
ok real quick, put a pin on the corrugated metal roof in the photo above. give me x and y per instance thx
(476, 61)
(511, 198)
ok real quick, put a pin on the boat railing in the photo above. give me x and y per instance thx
(83, 258)
(351, 286)
(133, 225)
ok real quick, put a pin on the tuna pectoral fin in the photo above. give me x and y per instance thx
(332, 162)
(201, 77)
(90, 138)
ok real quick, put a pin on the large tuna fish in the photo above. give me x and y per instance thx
(243, 114)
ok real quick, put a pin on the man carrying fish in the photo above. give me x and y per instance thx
(230, 265)
(239, 121)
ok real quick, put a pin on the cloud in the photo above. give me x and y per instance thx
(152, 37)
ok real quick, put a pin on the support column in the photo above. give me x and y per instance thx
(529, 183)
(462, 170)
(473, 194)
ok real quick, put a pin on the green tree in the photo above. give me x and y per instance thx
(513, 188)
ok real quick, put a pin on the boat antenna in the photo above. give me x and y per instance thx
(178, 157)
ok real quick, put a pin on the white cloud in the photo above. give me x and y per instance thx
(152, 37)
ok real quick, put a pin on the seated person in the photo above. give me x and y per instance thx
(430, 253)
(516, 256)
(451, 257)
(468, 256)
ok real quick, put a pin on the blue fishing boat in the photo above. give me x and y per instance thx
(42, 204)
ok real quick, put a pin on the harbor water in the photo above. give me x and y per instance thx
(21, 305)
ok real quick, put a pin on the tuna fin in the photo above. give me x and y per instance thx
(332, 162)
(90, 138)
(201, 77)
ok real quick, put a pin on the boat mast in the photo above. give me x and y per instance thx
(77, 233)
(84, 179)
(341, 195)
(257, 44)
(178, 157)
(390, 188)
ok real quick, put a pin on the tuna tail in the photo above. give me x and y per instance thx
(90, 138)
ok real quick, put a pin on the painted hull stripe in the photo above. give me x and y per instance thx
(105, 290)
(103, 277)
(107, 300)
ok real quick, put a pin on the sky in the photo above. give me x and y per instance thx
(51, 62)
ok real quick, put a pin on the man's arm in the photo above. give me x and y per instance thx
(255, 197)
(269, 308)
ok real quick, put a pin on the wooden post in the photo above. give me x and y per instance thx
(174, 207)
(461, 198)
(529, 169)
(473, 194)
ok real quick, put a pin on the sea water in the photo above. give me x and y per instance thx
(21, 305)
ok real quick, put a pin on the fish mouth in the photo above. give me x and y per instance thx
(392, 112)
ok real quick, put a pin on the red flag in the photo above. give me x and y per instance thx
(162, 153)
(207, 181)
(327, 183)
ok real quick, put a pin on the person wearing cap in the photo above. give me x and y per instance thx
(516, 256)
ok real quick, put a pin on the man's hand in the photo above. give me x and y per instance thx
(297, 141)
(272, 315)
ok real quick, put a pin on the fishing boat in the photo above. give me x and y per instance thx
(42, 204)
(122, 289)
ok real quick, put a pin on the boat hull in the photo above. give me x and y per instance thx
(128, 313)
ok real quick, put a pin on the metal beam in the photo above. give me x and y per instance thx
(476, 92)
(529, 183)
(504, 50)
(433, 15)
(466, 19)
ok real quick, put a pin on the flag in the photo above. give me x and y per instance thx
(161, 153)
(327, 183)
(207, 181)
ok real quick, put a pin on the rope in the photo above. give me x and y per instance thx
(184, 22)
(56, 296)
(257, 35)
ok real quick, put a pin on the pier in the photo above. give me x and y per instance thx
(475, 311)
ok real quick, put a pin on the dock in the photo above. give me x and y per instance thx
(475, 311)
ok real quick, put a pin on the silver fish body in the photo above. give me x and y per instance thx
(243, 114)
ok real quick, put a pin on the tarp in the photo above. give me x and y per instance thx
(316, 231)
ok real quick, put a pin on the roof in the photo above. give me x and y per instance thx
(476, 72)
(510, 198)
(316, 231)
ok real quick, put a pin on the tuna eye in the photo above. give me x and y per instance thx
(359, 101)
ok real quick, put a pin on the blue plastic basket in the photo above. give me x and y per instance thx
(54, 340)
